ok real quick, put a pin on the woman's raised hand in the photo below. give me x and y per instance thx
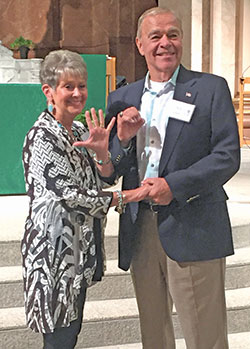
(98, 140)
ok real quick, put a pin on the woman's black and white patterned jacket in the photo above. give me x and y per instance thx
(59, 247)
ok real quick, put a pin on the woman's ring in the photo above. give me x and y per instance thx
(121, 113)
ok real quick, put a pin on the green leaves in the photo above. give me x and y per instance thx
(21, 41)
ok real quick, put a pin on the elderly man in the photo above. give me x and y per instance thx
(176, 130)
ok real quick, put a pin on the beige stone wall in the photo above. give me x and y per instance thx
(28, 18)
(216, 32)
(89, 26)
(86, 27)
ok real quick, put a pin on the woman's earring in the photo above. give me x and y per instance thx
(50, 108)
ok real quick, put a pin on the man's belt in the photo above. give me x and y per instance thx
(148, 205)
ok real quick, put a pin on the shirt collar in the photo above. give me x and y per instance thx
(172, 80)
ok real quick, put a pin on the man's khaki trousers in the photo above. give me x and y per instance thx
(196, 289)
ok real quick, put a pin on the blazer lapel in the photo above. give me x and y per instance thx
(185, 91)
(136, 93)
(135, 100)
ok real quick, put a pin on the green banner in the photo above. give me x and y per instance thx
(20, 105)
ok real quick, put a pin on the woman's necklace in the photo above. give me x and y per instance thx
(72, 134)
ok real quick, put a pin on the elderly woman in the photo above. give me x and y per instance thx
(62, 244)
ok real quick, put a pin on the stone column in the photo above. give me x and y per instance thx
(123, 28)
(183, 9)
(122, 33)
(242, 42)
(245, 37)
(195, 16)
(200, 41)
(206, 35)
(197, 30)
(223, 40)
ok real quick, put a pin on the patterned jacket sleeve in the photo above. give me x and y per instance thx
(59, 170)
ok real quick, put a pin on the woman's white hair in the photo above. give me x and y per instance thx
(60, 62)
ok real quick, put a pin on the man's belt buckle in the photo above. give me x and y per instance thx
(154, 207)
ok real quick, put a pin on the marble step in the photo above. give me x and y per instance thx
(13, 211)
(112, 322)
(12, 224)
(236, 341)
(10, 251)
(117, 283)
(10, 254)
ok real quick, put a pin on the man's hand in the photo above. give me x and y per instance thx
(159, 192)
(137, 194)
(128, 123)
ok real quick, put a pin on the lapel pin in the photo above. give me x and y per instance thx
(188, 94)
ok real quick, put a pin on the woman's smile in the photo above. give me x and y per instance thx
(70, 97)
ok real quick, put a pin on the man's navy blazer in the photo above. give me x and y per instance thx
(198, 158)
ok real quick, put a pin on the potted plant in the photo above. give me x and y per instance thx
(23, 46)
